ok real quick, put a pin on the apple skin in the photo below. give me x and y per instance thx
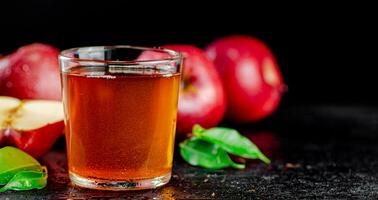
(1, 136)
(38, 141)
(202, 98)
(32, 72)
(251, 76)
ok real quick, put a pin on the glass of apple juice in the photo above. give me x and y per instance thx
(120, 105)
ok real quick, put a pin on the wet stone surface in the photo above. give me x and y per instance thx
(313, 158)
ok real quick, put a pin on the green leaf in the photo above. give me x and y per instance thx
(12, 161)
(26, 180)
(231, 141)
(20, 171)
(201, 153)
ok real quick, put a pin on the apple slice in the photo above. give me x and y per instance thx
(31, 125)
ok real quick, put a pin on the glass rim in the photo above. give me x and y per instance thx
(175, 56)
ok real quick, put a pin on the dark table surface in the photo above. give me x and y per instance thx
(318, 152)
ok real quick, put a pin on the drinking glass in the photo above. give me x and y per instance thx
(120, 105)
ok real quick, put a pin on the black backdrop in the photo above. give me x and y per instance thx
(326, 52)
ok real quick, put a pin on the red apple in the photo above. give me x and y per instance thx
(251, 76)
(31, 125)
(32, 72)
(202, 98)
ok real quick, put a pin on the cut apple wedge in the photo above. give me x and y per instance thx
(31, 125)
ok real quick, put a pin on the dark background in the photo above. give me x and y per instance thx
(327, 53)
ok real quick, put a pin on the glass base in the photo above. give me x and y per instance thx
(138, 184)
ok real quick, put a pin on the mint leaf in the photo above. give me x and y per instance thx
(13, 160)
(26, 180)
(231, 141)
(20, 171)
(201, 153)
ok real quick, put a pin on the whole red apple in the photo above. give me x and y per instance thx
(202, 98)
(32, 72)
(251, 76)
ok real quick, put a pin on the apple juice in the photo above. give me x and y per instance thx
(120, 123)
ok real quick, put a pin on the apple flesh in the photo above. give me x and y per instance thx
(32, 72)
(251, 76)
(202, 98)
(7, 105)
(31, 125)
